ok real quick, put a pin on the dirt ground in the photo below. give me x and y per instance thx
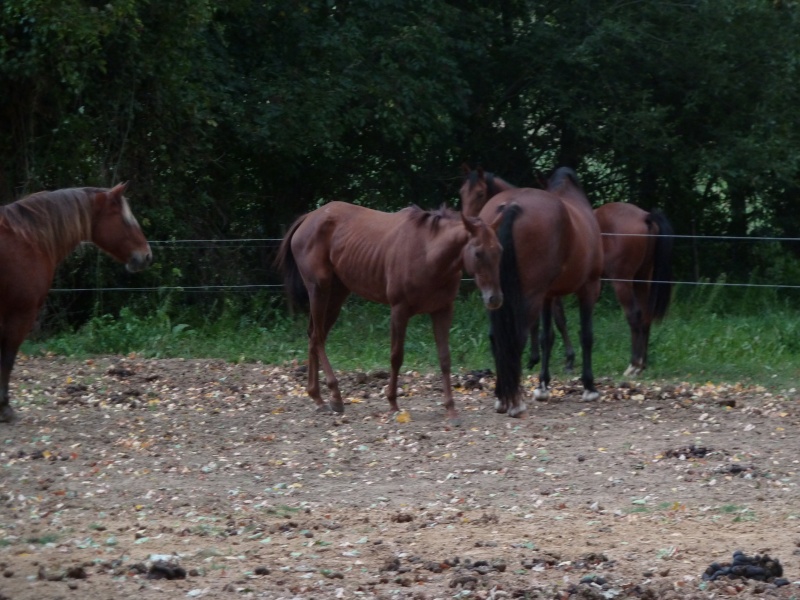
(133, 478)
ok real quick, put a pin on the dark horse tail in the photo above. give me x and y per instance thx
(296, 290)
(661, 289)
(508, 324)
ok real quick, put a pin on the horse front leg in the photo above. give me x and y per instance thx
(13, 334)
(546, 340)
(586, 307)
(399, 325)
(442, 320)
(6, 365)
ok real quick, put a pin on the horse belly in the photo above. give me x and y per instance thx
(25, 277)
(370, 285)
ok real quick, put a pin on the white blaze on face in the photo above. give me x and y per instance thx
(127, 214)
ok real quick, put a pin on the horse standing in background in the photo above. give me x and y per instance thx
(551, 248)
(36, 234)
(637, 250)
(637, 260)
(411, 260)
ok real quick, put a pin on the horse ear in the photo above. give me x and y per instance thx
(470, 223)
(465, 169)
(498, 218)
(481, 175)
(119, 189)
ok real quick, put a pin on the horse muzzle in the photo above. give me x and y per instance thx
(493, 301)
(139, 261)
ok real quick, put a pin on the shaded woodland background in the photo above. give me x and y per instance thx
(230, 118)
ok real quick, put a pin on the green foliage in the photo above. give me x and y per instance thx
(231, 118)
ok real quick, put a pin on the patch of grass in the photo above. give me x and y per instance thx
(710, 334)
(47, 538)
(283, 510)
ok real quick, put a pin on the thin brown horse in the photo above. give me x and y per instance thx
(552, 248)
(36, 234)
(637, 260)
(411, 260)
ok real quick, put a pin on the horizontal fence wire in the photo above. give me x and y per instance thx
(195, 244)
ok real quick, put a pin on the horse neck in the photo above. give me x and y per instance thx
(446, 246)
(494, 185)
(55, 222)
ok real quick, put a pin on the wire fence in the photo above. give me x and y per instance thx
(263, 277)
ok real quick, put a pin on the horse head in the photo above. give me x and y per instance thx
(116, 231)
(481, 257)
(474, 190)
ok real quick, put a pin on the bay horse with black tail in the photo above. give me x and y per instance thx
(551, 248)
(637, 260)
(411, 260)
(36, 234)
(637, 251)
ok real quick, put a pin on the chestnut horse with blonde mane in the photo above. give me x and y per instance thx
(637, 260)
(36, 234)
(551, 248)
(411, 260)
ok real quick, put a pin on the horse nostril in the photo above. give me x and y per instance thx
(494, 301)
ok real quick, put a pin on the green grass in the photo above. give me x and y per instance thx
(711, 334)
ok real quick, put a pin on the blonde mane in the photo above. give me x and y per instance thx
(55, 221)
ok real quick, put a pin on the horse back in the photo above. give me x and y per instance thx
(377, 255)
(539, 234)
(627, 243)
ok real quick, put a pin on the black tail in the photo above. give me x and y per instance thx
(509, 324)
(661, 290)
(296, 291)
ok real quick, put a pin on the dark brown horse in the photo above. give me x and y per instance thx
(637, 247)
(36, 234)
(552, 248)
(637, 260)
(411, 260)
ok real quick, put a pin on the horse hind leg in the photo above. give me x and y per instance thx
(633, 315)
(442, 321)
(631, 300)
(325, 306)
(590, 393)
(560, 319)
(546, 338)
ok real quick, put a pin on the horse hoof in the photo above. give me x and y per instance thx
(454, 420)
(632, 371)
(324, 409)
(541, 395)
(7, 415)
(500, 406)
(518, 412)
(337, 407)
(591, 395)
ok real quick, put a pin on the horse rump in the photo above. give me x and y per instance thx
(661, 288)
(285, 263)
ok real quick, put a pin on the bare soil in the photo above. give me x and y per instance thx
(134, 478)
